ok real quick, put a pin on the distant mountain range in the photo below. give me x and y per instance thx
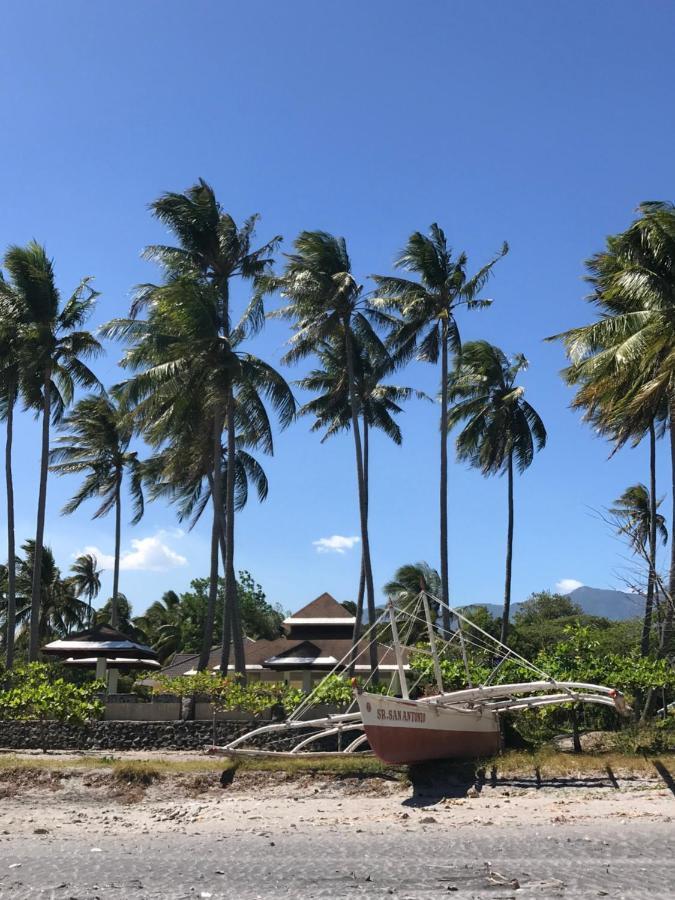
(615, 605)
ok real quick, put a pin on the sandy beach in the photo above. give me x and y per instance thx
(78, 834)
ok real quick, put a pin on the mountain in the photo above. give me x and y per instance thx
(616, 605)
(607, 604)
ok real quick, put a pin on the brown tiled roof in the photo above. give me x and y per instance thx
(324, 607)
(258, 652)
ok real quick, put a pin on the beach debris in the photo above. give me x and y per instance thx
(15, 865)
(96, 850)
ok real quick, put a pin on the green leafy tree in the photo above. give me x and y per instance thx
(189, 358)
(500, 428)
(86, 579)
(53, 352)
(635, 514)
(404, 590)
(11, 321)
(428, 329)
(327, 305)
(60, 609)
(39, 692)
(626, 359)
(96, 444)
(378, 404)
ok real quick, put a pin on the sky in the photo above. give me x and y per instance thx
(543, 124)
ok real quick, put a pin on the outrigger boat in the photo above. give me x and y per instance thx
(446, 725)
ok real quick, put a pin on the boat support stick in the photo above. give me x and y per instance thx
(432, 643)
(399, 654)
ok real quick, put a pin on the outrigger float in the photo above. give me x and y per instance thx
(399, 729)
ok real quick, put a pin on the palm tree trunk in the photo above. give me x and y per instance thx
(231, 598)
(445, 589)
(215, 482)
(227, 612)
(11, 549)
(210, 617)
(34, 643)
(649, 604)
(509, 555)
(666, 634)
(358, 621)
(363, 498)
(114, 611)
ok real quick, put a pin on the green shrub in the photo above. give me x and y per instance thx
(38, 692)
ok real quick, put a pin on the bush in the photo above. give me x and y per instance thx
(38, 692)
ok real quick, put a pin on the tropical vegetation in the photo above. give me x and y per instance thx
(199, 406)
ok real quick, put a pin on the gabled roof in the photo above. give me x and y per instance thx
(324, 607)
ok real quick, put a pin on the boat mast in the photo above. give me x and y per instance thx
(397, 649)
(432, 642)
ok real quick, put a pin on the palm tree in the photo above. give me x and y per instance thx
(405, 587)
(501, 426)
(86, 579)
(162, 626)
(10, 369)
(60, 610)
(189, 340)
(633, 510)
(96, 444)
(53, 350)
(634, 289)
(327, 304)
(428, 328)
(378, 404)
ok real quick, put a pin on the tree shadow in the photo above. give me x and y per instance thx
(667, 778)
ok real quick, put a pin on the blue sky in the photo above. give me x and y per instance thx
(543, 124)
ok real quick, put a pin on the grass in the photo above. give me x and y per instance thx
(545, 763)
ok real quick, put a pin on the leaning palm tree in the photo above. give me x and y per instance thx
(326, 303)
(501, 428)
(86, 579)
(96, 445)
(53, 353)
(634, 289)
(10, 372)
(404, 590)
(189, 339)
(632, 510)
(428, 329)
(378, 404)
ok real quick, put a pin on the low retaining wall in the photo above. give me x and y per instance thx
(118, 735)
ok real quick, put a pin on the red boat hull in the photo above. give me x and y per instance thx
(402, 746)
(412, 731)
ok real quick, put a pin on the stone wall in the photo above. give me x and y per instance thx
(118, 735)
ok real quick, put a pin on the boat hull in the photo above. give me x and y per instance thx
(412, 731)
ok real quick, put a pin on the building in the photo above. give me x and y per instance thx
(317, 638)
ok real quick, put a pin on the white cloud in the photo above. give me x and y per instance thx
(148, 554)
(567, 585)
(336, 543)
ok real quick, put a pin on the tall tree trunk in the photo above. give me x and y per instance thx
(114, 607)
(666, 634)
(231, 598)
(227, 611)
(509, 555)
(649, 604)
(210, 617)
(34, 643)
(11, 549)
(215, 482)
(358, 621)
(445, 588)
(363, 500)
